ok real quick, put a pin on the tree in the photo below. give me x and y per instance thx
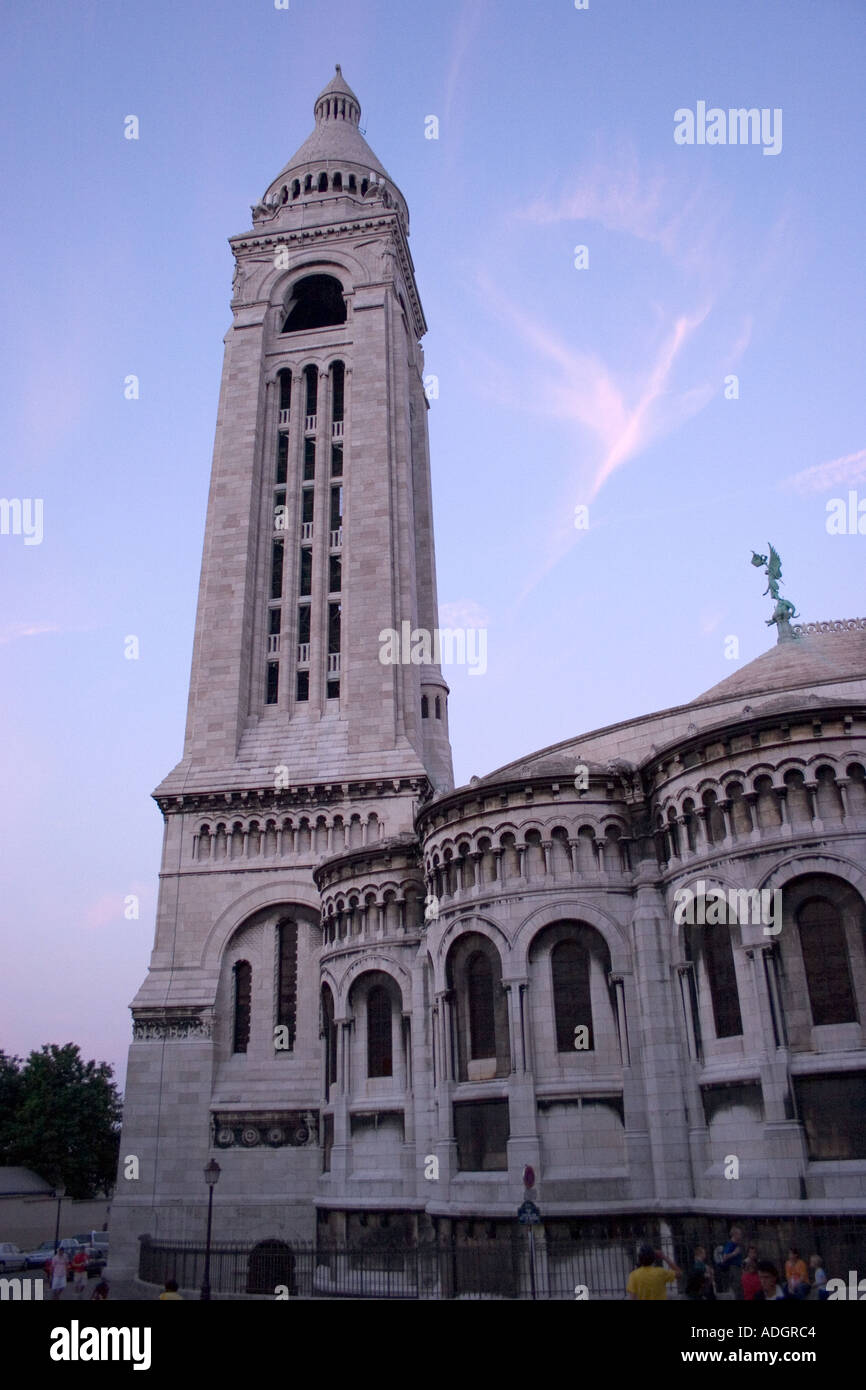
(63, 1120)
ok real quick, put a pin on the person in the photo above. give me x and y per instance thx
(79, 1271)
(819, 1276)
(770, 1286)
(732, 1260)
(170, 1292)
(647, 1282)
(700, 1281)
(796, 1274)
(58, 1268)
(100, 1293)
(751, 1281)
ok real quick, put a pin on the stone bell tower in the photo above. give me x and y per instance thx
(300, 743)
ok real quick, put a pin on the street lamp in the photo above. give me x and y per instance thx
(60, 1193)
(211, 1177)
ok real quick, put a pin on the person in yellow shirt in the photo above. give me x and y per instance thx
(170, 1292)
(648, 1281)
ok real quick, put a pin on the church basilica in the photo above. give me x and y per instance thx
(376, 1000)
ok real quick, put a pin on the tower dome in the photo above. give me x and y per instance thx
(336, 138)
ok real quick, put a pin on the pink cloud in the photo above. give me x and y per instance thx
(849, 469)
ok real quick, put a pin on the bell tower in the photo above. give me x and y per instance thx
(319, 527)
(301, 743)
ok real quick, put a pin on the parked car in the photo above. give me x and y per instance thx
(11, 1257)
(40, 1256)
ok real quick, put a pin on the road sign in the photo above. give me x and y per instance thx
(528, 1214)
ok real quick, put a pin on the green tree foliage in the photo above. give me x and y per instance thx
(60, 1117)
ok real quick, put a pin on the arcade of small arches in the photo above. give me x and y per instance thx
(488, 856)
(337, 182)
(273, 838)
(737, 807)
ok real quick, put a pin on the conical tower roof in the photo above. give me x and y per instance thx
(336, 137)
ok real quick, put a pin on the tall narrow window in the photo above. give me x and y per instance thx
(311, 375)
(334, 574)
(303, 624)
(306, 572)
(572, 998)
(307, 510)
(282, 458)
(425, 707)
(333, 685)
(285, 379)
(336, 508)
(336, 460)
(379, 1060)
(482, 1029)
(273, 686)
(714, 941)
(329, 1037)
(302, 687)
(825, 959)
(242, 980)
(287, 978)
(309, 459)
(277, 569)
(338, 377)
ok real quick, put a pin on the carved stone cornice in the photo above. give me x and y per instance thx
(171, 1025)
(263, 800)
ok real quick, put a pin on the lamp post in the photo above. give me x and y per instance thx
(60, 1193)
(211, 1177)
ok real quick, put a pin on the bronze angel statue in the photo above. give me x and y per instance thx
(784, 610)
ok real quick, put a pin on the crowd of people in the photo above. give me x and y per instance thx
(736, 1269)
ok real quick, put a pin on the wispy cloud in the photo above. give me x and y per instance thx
(463, 612)
(12, 632)
(849, 469)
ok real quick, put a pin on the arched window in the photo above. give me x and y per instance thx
(338, 381)
(329, 1037)
(296, 188)
(379, 1059)
(572, 1000)
(425, 707)
(316, 302)
(287, 978)
(284, 378)
(480, 1000)
(825, 959)
(323, 183)
(713, 943)
(311, 377)
(438, 707)
(243, 980)
(284, 194)
(352, 184)
(337, 181)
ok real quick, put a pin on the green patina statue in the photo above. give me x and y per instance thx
(784, 610)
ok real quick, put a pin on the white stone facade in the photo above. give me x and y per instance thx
(446, 947)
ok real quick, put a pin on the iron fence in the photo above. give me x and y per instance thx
(566, 1261)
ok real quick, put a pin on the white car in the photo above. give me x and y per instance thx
(11, 1257)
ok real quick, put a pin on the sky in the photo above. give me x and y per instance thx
(693, 378)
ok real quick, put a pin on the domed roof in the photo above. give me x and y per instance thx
(824, 652)
(336, 137)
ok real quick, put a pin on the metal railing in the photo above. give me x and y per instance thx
(596, 1265)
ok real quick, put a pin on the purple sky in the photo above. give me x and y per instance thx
(559, 386)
